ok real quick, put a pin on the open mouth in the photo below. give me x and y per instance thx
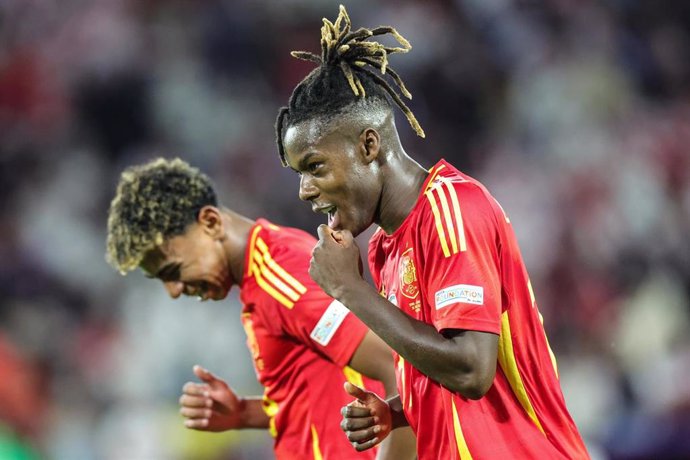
(330, 211)
(201, 292)
(332, 216)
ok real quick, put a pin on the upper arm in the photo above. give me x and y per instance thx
(481, 349)
(460, 259)
(374, 358)
(303, 310)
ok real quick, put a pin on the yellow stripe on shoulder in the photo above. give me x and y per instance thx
(445, 207)
(433, 173)
(273, 278)
(252, 248)
(270, 290)
(267, 274)
(280, 271)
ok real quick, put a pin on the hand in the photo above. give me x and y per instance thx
(366, 421)
(335, 260)
(212, 405)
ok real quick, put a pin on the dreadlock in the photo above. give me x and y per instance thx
(345, 76)
(154, 201)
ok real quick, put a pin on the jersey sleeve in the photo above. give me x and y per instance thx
(460, 247)
(304, 311)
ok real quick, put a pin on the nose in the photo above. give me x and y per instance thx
(307, 190)
(174, 288)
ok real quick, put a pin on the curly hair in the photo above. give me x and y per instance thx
(345, 77)
(153, 202)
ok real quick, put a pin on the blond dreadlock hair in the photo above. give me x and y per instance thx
(345, 76)
(153, 202)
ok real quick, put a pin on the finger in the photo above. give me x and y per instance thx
(360, 436)
(195, 389)
(366, 445)
(355, 391)
(195, 413)
(351, 411)
(195, 401)
(204, 374)
(196, 424)
(356, 424)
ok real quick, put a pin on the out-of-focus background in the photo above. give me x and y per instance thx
(576, 114)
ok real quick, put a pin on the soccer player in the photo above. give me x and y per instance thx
(166, 220)
(452, 297)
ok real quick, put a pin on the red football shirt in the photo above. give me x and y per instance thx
(454, 263)
(301, 341)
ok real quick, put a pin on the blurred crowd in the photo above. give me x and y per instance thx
(575, 114)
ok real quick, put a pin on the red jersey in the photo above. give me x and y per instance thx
(301, 341)
(454, 263)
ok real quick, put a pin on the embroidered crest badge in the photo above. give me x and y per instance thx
(408, 276)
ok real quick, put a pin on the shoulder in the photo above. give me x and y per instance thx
(282, 243)
(455, 210)
(278, 261)
(457, 196)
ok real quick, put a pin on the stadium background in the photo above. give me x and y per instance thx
(576, 114)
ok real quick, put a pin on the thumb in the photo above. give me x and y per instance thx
(324, 232)
(204, 375)
(355, 391)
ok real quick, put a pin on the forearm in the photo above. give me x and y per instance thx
(417, 342)
(253, 415)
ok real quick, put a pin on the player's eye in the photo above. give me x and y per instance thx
(315, 166)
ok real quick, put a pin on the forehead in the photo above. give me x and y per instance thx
(303, 136)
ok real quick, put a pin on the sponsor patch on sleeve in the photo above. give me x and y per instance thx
(460, 293)
(329, 323)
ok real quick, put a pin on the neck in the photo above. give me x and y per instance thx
(237, 229)
(404, 180)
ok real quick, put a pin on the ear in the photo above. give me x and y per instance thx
(211, 221)
(370, 144)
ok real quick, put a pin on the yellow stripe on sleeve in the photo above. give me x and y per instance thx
(294, 283)
(507, 361)
(439, 224)
(459, 437)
